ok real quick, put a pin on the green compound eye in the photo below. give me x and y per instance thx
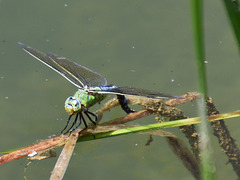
(72, 105)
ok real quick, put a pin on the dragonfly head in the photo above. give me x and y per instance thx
(72, 105)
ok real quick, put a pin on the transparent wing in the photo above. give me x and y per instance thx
(78, 75)
(112, 89)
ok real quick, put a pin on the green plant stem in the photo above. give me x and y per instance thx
(156, 126)
(232, 8)
(205, 146)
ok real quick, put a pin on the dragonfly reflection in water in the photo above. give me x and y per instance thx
(92, 88)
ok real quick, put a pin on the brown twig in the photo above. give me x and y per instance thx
(225, 139)
(186, 156)
(64, 158)
(167, 109)
(43, 145)
(62, 139)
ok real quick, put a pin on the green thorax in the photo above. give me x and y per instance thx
(88, 99)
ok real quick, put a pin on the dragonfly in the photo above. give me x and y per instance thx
(92, 88)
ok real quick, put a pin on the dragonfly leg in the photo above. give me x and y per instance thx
(93, 121)
(94, 115)
(123, 102)
(85, 123)
(81, 118)
(66, 124)
(74, 122)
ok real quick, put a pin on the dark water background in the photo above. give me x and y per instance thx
(145, 44)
